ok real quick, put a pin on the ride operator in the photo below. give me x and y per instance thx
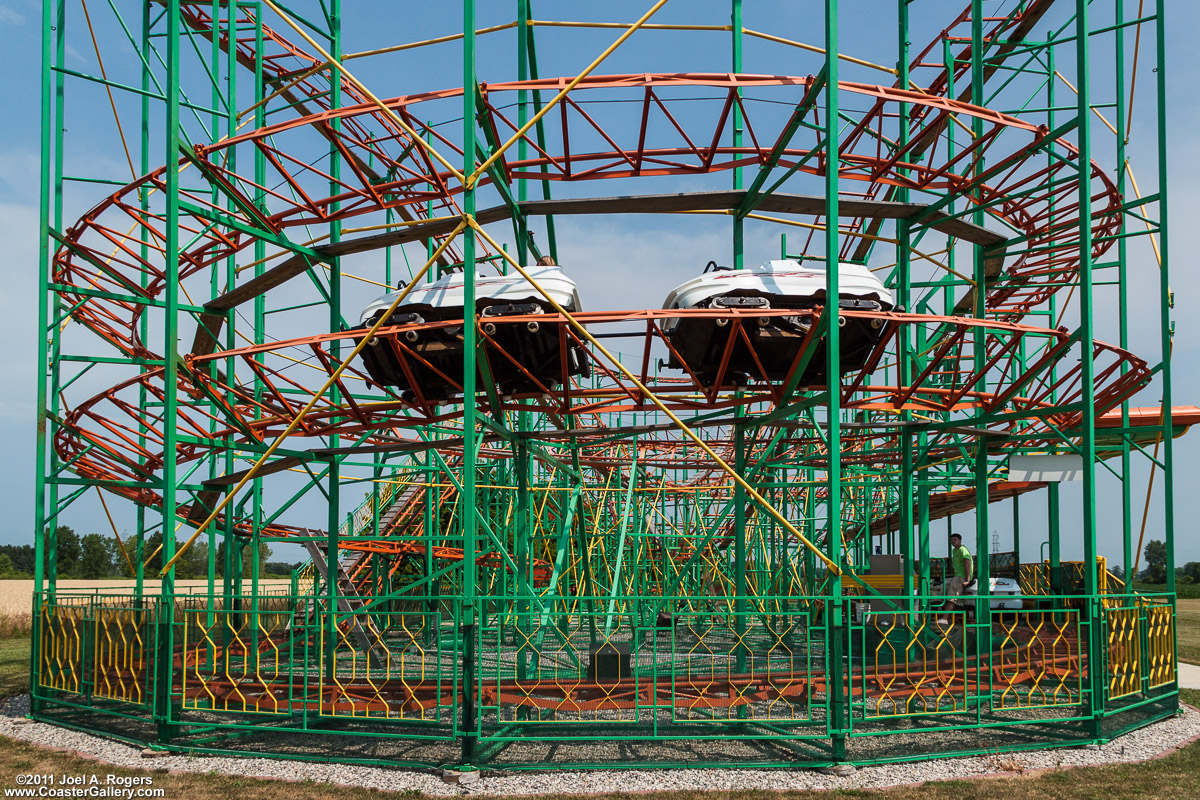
(963, 578)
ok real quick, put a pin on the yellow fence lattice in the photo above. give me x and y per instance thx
(1160, 638)
(121, 656)
(1124, 651)
(235, 660)
(385, 666)
(1037, 664)
(62, 647)
(916, 664)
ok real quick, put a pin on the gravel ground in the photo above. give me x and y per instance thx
(1136, 746)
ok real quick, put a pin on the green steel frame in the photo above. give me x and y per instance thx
(729, 557)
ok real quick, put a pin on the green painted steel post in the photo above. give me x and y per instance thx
(525, 594)
(738, 124)
(836, 621)
(923, 478)
(172, 89)
(1127, 555)
(1091, 581)
(739, 533)
(470, 452)
(60, 49)
(45, 253)
(432, 527)
(333, 476)
(143, 280)
(904, 300)
(1167, 328)
(1053, 531)
(1016, 521)
(983, 605)
(739, 494)
(523, 33)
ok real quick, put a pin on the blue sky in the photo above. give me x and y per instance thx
(599, 250)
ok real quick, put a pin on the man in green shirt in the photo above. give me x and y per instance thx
(964, 574)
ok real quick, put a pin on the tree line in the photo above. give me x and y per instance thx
(94, 556)
(1155, 571)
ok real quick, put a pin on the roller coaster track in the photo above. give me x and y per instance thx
(109, 268)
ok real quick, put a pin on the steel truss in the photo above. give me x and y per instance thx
(639, 553)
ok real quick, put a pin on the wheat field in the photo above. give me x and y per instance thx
(16, 597)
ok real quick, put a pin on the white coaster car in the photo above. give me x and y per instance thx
(427, 361)
(776, 339)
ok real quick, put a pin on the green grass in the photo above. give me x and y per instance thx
(1184, 591)
(14, 666)
(1187, 628)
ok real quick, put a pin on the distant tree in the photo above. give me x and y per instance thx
(242, 550)
(1156, 561)
(194, 561)
(22, 556)
(7, 570)
(1117, 570)
(67, 550)
(94, 561)
(120, 567)
(25, 558)
(1191, 570)
(153, 543)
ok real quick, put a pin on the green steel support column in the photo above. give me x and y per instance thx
(144, 325)
(923, 583)
(470, 452)
(43, 353)
(539, 128)
(332, 556)
(739, 538)
(233, 575)
(376, 477)
(836, 621)
(1051, 158)
(214, 286)
(232, 69)
(1016, 521)
(983, 606)
(904, 300)
(1167, 327)
(628, 510)
(738, 219)
(332, 552)
(60, 49)
(523, 32)
(166, 631)
(1052, 523)
(1091, 582)
(1127, 555)
(524, 587)
(431, 527)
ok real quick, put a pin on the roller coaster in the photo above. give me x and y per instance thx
(712, 554)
